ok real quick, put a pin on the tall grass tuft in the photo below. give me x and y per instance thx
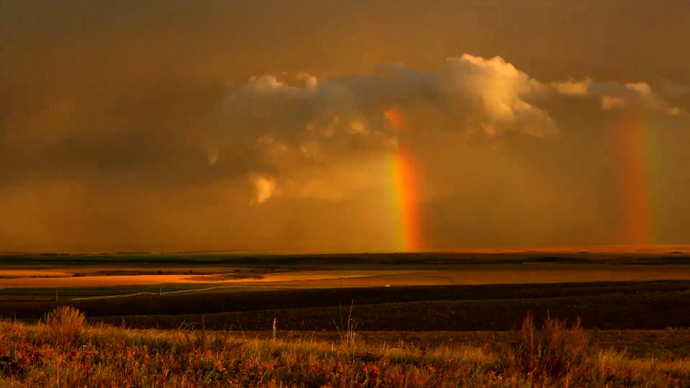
(347, 330)
(65, 323)
(553, 352)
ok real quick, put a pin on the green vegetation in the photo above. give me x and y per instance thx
(63, 351)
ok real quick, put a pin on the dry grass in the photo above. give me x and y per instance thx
(551, 353)
(347, 330)
(65, 323)
(104, 356)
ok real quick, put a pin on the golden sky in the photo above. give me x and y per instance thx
(205, 125)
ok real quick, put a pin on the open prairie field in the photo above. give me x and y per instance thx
(66, 351)
(426, 309)
(469, 274)
(357, 270)
(440, 292)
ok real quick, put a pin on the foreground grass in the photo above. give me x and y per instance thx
(65, 352)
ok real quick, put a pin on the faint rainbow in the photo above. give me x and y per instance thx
(404, 190)
(639, 154)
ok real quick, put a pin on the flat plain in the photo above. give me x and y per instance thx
(461, 306)
(608, 288)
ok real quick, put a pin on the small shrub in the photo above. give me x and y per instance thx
(65, 322)
(553, 352)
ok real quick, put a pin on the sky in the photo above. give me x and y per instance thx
(343, 126)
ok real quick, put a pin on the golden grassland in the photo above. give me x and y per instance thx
(64, 351)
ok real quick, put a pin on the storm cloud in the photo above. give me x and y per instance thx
(211, 125)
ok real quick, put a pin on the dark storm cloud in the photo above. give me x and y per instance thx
(135, 125)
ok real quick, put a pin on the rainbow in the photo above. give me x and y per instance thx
(636, 144)
(400, 168)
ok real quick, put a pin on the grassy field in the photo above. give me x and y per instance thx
(607, 305)
(65, 352)
(422, 319)
(660, 344)
(303, 297)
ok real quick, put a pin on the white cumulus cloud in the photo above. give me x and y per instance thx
(315, 137)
